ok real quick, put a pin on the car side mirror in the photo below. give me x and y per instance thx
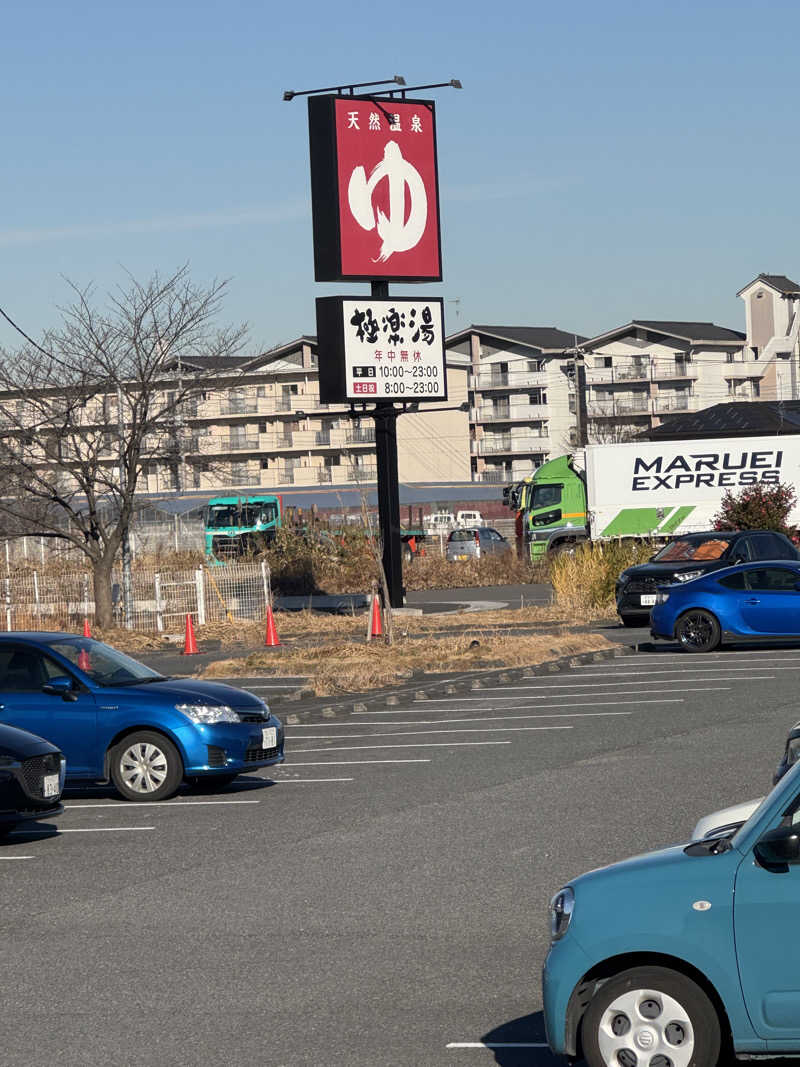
(60, 686)
(778, 848)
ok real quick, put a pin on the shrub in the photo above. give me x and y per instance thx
(757, 507)
(584, 582)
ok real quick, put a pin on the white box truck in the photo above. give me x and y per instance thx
(645, 489)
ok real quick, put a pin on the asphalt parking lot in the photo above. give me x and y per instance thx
(381, 898)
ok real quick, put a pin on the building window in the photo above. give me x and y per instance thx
(756, 387)
(261, 390)
(534, 366)
(572, 403)
(754, 350)
(264, 464)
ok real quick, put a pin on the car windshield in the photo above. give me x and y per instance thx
(712, 547)
(545, 496)
(789, 783)
(103, 664)
(247, 515)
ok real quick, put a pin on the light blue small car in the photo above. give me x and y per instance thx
(685, 956)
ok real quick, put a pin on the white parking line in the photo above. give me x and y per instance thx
(682, 671)
(356, 762)
(88, 830)
(497, 1044)
(530, 707)
(302, 781)
(443, 722)
(17, 857)
(554, 696)
(122, 804)
(422, 744)
(408, 733)
(593, 685)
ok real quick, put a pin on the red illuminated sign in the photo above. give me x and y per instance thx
(375, 191)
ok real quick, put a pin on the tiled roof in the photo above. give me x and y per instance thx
(756, 417)
(540, 337)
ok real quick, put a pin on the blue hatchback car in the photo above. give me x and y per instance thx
(672, 957)
(747, 602)
(114, 718)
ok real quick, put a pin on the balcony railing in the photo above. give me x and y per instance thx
(362, 474)
(241, 444)
(238, 407)
(324, 474)
(322, 437)
(494, 477)
(654, 370)
(361, 437)
(245, 478)
(609, 409)
(679, 402)
(508, 380)
(497, 413)
(286, 475)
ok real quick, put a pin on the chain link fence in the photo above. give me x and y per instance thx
(161, 599)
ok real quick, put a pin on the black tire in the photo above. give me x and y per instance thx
(211, 783)
(698, 631)
(606, 1032)
(633, 620)
(158, 772)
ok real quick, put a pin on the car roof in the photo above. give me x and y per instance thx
(36, 635)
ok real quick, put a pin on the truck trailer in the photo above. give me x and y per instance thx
(643, 489)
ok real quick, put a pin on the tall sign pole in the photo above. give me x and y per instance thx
(375, 204)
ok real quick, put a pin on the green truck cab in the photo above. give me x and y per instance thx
(236, 525)
(551, 509)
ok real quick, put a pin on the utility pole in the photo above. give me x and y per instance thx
(579, 381)
(127, 583)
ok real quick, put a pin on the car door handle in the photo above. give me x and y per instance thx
(752, 600)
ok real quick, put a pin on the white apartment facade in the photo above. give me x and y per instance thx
(521, 395)
(640, 374)
(261, 425)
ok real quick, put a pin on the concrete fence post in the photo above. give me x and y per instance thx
(201, 596)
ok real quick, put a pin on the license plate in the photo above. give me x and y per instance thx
(648, 600)
(460, 557)
(269, 737)
(50, 785)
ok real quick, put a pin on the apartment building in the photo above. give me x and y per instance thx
(521, 396)
(640, 375)
(258, 423)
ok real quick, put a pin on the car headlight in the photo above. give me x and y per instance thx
(561, 908)
(208, 713)
(662, 598)
(685, 576)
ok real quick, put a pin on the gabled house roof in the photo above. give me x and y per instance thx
(692, 332)
(737, 419)
(542, 338)
(779, 282)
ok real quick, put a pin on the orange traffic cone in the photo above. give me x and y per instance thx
(86, 631)
(83, 660)
(272, 638)
(376, 630)
(189, 642)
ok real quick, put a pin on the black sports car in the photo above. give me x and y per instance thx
(31, 778)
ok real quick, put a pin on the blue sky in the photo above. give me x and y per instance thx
(604, 161)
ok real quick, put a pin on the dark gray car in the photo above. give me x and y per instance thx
(474, 542)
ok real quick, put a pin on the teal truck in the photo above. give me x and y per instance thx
(236, 525)
(642, 489)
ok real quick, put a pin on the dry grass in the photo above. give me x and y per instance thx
(352, 667)
(583, 584)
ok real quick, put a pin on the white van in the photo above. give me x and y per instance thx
(468, 518)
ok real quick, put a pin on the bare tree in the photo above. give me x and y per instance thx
(83, 412)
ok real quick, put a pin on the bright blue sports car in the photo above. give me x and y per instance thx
(747, 602)
(114, 718)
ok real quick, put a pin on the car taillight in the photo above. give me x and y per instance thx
(477, 538)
